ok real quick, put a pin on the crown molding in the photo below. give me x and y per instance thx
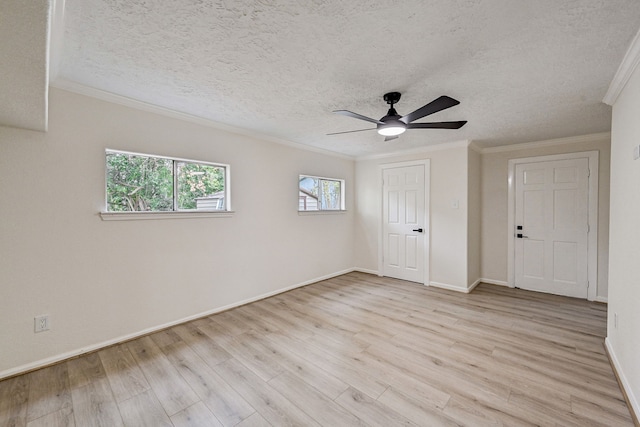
(419, 150)
(80, 89)
(475, 147)
(625, 70)
(549, 142)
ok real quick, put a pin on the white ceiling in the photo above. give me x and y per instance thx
(522, 70)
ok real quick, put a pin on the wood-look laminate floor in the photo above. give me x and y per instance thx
(356, 350)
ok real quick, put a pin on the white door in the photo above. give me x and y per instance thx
(404, 223)
(551, 218)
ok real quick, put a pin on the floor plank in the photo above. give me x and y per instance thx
(194, 416)
(14, 393)
(144, 409)
(172, 391)
(48, 391)
(124, 374)
(274, 407)
(225, 403)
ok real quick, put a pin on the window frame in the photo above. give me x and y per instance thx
(342, 207)
(175, 212)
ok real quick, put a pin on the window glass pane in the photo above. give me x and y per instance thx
(319, 194)
(308, 194)
(138, 183)
(200, 186)
(330, 194)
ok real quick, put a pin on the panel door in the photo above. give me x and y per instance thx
(403, 223)
(551, 252)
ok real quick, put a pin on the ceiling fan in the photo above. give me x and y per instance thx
(393, 124)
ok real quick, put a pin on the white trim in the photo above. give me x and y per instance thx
(604, 300)
(635, 404)
(420, 150)
(368, 271)
(93, 347)
(159, 156)
(427, 212)
(323, 212)
(473, 285)
(494, 282)
(475, 147)
(463, 289)
(625, 70)
(594, 137)
(113, 98)
(56, 38)
(592, 245)
(134, 216)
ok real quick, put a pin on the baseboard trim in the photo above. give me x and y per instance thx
(368, 271)
(454, 287)
(603, 300)
(43, 363)
(629, 397)
(494, 282)
(473, 285)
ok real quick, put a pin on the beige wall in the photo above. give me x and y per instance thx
(624, 243)
(101, 280)
(494, 194)
(474, 218)
(448, 227)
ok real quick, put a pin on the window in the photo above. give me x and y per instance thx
(144, 183)
(320, 194)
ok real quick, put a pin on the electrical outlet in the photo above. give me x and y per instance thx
(41, 323)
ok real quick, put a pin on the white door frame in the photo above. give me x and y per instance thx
(592, 241)
(427, 217)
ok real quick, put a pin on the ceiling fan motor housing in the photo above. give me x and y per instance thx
(392, 97)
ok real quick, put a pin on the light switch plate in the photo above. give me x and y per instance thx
(636, 152)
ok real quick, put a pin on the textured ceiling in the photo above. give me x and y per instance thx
(24, 35)
(522, 70)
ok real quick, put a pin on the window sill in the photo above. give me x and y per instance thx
(133, 216)
(336, 212)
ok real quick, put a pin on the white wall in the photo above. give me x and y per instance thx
(474, 216)
(101, 280)
(495, 190)
(448, 228)
(623, 341)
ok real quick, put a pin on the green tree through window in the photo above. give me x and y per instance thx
(137, 182)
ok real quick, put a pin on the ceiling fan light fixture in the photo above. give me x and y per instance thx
(392, 129)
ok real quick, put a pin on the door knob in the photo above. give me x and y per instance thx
(520, 236)
(419, 230)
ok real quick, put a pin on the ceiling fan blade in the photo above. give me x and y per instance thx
(350, 131)
(389, 138)
(437, 125)
(434, 106)
(358, 116)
